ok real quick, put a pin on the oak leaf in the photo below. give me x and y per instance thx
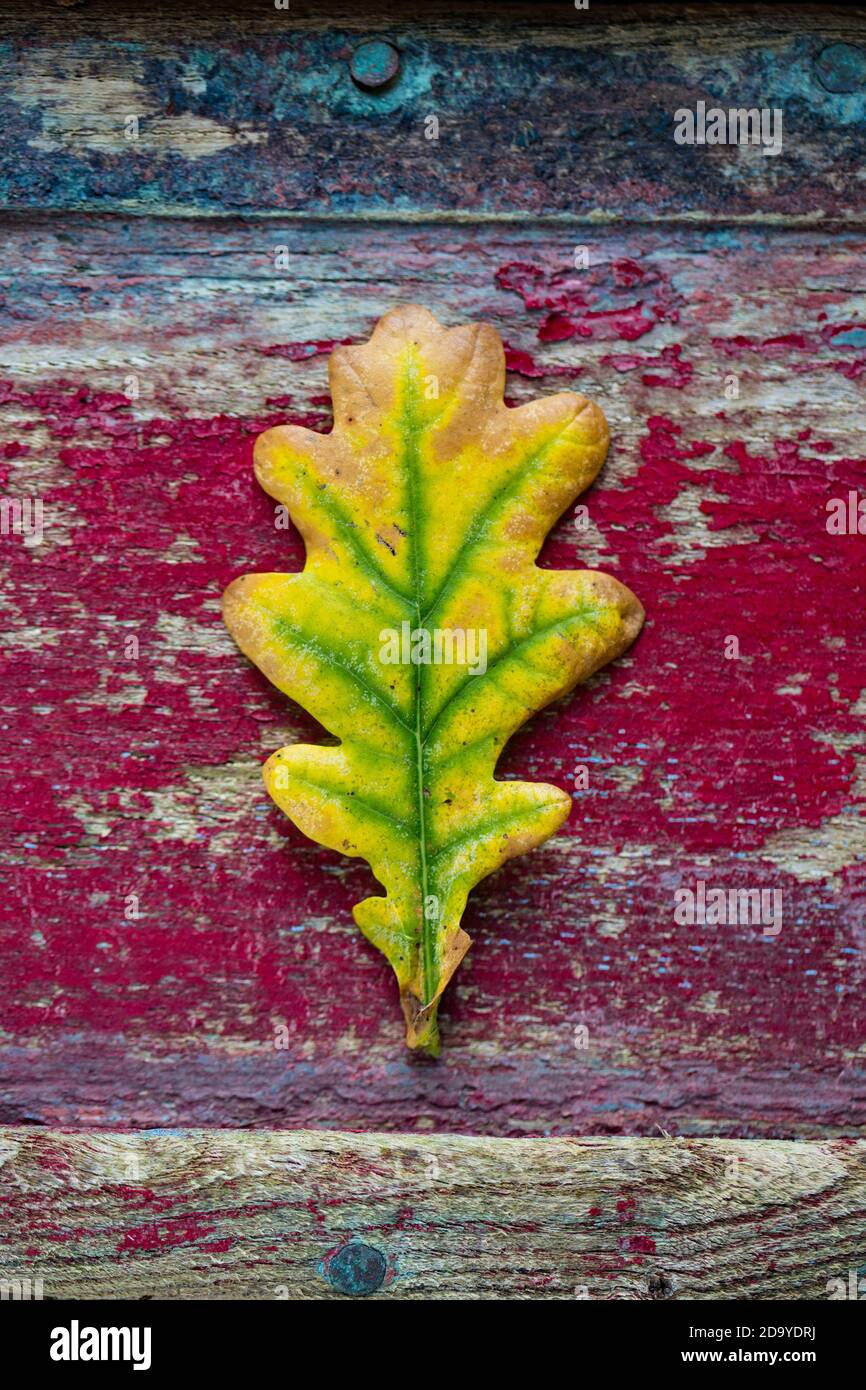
(420, 632)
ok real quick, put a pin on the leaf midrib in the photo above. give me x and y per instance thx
(411, 429)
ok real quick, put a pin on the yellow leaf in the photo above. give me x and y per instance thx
(421, 633)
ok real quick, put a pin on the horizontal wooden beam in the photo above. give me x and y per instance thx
(242, 994)
(306, 1214)
(509, 111)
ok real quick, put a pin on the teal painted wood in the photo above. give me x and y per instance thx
(506, 111)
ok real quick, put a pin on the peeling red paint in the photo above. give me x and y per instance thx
(678, 373)
(298, 352)
(828, 335)
(522, 363)
(641, 1245)
(159, 514)
(164, 1236)
(577, 302)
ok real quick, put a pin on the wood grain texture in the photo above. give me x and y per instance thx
(242, 993)
(223, 1214)
(542, 110)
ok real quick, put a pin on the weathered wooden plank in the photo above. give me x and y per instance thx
(540, 110)
(242, 992)
(222, 1214)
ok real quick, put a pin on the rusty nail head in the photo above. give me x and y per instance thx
(374, 64)
(357, 1268)
(841, 67)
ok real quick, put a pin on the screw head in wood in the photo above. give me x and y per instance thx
(357, 1268)
(841, 67)
(374, 64)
